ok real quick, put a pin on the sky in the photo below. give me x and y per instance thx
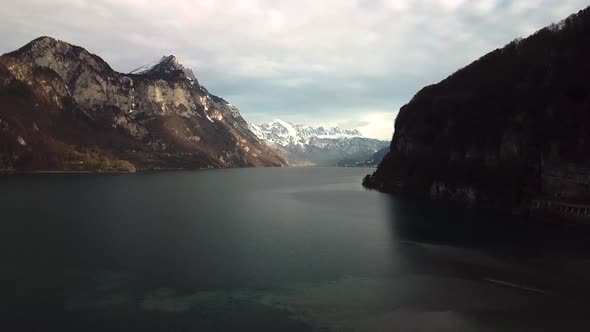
(349, 63)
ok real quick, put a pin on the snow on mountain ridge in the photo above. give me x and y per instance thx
(167, 65)
(307, 145)
(290, 129)
(285, 133)
(146, 68)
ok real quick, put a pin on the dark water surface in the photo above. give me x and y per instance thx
(292, 249)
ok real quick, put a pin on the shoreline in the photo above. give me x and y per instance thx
(59, 172)
(154, 170)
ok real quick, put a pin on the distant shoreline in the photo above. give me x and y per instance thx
(16, 172)
(59, 172)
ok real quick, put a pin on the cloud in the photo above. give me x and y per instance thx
(311, 61)
(377, 124)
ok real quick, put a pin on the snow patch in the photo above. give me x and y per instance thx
(292, 131)
(557, 26)
(146, 68)
(285, 133)
(21, 141)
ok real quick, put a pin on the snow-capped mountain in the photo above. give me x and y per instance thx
(166, 67)
(306, 145)
(285, 134)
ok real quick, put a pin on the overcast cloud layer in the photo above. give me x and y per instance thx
(346, 62)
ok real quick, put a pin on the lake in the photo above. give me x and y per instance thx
(274, 249)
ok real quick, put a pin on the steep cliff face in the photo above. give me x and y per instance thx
(508, 130)
(63, 108)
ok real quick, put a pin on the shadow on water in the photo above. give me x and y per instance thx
(448, 223)
(517, 270)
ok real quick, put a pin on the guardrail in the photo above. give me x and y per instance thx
(562, 208)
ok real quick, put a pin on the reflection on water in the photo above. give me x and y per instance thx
(293, 249)
(543, 269)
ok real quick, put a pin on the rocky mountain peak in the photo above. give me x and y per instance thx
(45, 40)
(61, 57)
(46, 46)
(63, 108)
(307, 145)
(167, 66)
(43, 43)
(285, 133)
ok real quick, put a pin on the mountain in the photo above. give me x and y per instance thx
(375, 159)
(305, 145)
(65, 109)
(510, 131)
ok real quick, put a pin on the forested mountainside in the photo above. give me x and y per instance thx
(510, 130)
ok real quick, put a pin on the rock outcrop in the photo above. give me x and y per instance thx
(65, 109)
(508, 131)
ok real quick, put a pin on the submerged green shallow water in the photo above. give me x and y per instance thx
(289, 249)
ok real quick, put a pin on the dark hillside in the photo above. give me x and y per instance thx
(510, 128)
